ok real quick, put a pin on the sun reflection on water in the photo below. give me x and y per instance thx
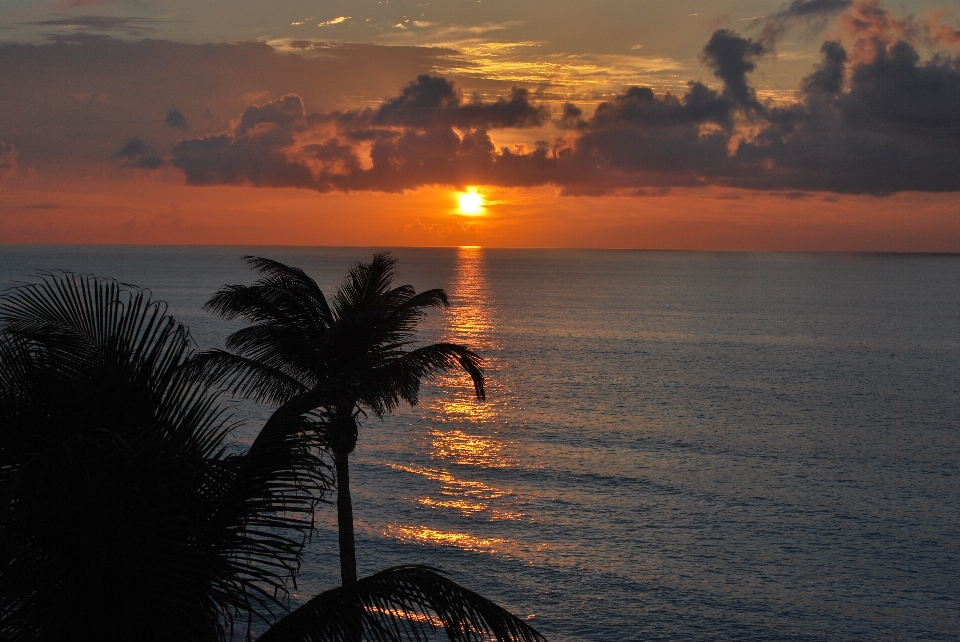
(465, 507)
(427, 535)
(464, 431)
(412, 616)
(466, 449)
(471, 322)
(468, 497)
(450, 486)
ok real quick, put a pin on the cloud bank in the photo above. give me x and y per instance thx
(131, 26)
(69, 107)
(879, 113)
(873, 116)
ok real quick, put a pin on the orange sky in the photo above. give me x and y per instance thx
(126, 140)
(149, 212)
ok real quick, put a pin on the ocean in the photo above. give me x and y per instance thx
(675, 445)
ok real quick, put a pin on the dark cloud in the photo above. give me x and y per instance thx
(136, 153)
(809, 12)
(828, 78)
(876, 115)
(427, 134)
(88, 3)
(731, 57)
(8, 159)
(893, 126)
(571, 117)
(175, 118)
(805, 9)
(253, 151)
(882, 121)
(131, 26)
(49, 112)
(430, 101)
(641, 107)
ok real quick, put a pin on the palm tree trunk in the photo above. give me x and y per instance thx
(348, 551)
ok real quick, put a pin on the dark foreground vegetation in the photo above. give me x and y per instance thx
(127, 514)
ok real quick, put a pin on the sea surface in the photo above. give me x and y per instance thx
(675, 445)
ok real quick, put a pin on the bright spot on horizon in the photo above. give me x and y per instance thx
(471, 203)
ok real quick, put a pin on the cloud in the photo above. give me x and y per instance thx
(732, 57)
(253, 151)
(129, 25)
(885, 123)
(880, 121)
(447, 34)
(136, 153)
(879, 113)
(809, 12)
(176, 119)
(434, 100)
(412, 141)
(88, 3)
(68, 109)
(868, 23)
(8, 160)
(807, 9)
(454, 233)
(334, 21)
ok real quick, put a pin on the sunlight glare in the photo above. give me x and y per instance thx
(471, 203)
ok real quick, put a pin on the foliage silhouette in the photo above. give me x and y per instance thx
(121, 503)
(352, 354)
(126, 516)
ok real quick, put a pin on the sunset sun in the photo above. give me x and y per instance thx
(471, 203)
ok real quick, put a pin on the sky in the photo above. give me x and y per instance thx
(813, 125)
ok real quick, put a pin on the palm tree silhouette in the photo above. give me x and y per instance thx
(121, 502)
(340, 358)
(128, 514)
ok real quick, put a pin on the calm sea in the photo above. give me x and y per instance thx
(676, 446)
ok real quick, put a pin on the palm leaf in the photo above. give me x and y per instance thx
(245, 377)
(120, 504)
(400, 379)
(365, 284)
(293, 279)
(401, 603)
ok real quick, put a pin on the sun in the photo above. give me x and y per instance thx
(471, 203)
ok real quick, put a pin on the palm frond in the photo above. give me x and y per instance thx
(283, 347)
(245, 377)
(266, 303)
(285, 277)
(401, 603)
(399, 379)
(114, 479)
(402, 312)
(365, 284)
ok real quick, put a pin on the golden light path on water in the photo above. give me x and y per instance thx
(463, 432)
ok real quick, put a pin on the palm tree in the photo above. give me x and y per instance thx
(125, 513)
(356, 352)
(122, 503)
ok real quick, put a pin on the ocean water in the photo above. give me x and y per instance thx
(675, 446)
